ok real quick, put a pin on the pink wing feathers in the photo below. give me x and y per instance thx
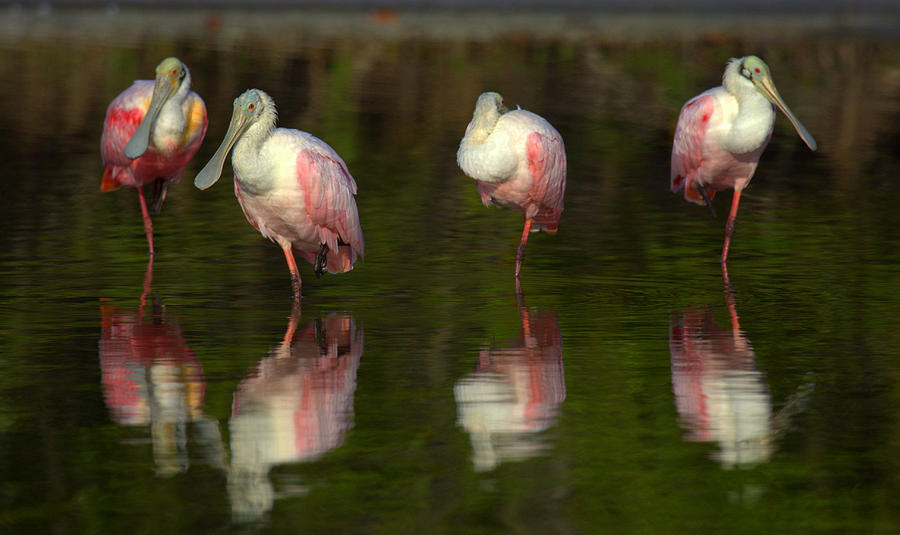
(329, 190)
(123, 116)
(547, 164)
(687, 149)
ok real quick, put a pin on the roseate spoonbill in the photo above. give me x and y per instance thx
(722, 132)
(294, 188)
(151, 132)
(518, 160)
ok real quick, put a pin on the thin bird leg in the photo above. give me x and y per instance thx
(321, 260)
(731, 302)
(148, 225)
(148, 281)
(296, 284)
(725, 278)
(729, 225)
(702, 190)
(292, 328)
(740, 343)
(520, 252)
(530, 341)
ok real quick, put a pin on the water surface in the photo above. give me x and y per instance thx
(623, 391)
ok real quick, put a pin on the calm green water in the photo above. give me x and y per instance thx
(623, 392)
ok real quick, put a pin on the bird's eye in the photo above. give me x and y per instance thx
(756, 70)
(174, 72)
(251, 106)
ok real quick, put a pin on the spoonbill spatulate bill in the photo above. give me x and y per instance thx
(293, 188)
(722, 132)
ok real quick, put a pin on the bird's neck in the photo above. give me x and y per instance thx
(172, 120)
(481, 127)
(752, 127)
(484, 157)
(251, 168)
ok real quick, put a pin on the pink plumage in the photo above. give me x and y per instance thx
(722, 133)
(123, 116)
(698, 157)
(518, 160)
(293, 188)
(167, 120)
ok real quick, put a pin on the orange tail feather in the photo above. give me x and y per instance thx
(547, 220)
(109, 183)
(336, 262)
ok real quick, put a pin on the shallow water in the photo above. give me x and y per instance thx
(625, 390)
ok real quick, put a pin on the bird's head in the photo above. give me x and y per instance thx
(171, 72)
(488, 109)
(491, 105)
(753, 72)
(251, 107)
(171, 75)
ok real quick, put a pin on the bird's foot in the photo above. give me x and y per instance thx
(159, 195)
(702, 190)
(321, 261)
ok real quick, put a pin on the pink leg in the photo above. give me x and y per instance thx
(292, 328)
(295, 273)
(729, 225)
(730, 301)
(148, 225)
(148, 280)
(520, 252)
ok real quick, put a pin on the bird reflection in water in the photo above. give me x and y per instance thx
(151, 377)
(296, 405)
(720, 394)
(514, 393)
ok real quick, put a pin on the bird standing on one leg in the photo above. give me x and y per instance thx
(723, 131)
(518, 160)
(151, 132)
(293, 188)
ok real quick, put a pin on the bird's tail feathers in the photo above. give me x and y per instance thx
(109, 183)
(336, 262)
(547, 219)
(692, 193)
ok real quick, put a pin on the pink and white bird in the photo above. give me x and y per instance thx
(518, 160)
(293, 187)
(151, 132)
(723, 131)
